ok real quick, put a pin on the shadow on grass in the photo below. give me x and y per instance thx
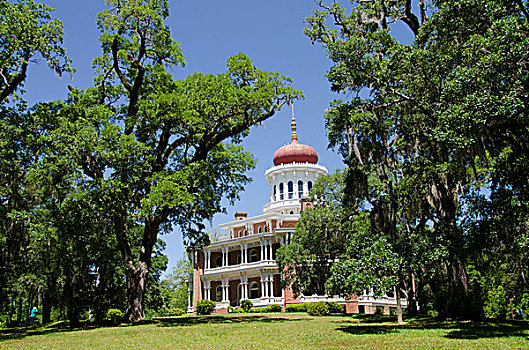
(218, 319)
(454, 329)
(22, 332)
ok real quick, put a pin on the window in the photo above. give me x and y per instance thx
(275, 192)
(300, 189)
(290, 190)
(281, 190)
(310, 185)
(259, 229)
(218, 295)
(291, 212)
(239, 259)
(254, 290)
(253, 255)
(218, 261)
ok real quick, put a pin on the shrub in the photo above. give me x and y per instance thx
(246, 305)
(318, 309)
(273, 308)
(205, 307)
(268, 308)
(301, 307)
(496, 304)
(176, 311)
(238, 310)
(524, 306)
(114, 316)
(335, 308)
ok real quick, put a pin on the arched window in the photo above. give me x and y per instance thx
(218, 295)
(310, 186)
(254, 290)
(290, 190)
(253, 255)
(218, 261)
(291, 212)
(300, 189)
(239, 259)
(259, 229)
(275, 191)
(281, 190)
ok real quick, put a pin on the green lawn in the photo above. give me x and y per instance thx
(275, 331)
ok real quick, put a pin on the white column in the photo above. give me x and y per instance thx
(271, 256)
(225, 286)
(245, 255)
(245, 289)
(262, 286)
(189, 301)
(262, 250)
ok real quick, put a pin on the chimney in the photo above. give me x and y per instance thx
(306, 203)
(240, 215)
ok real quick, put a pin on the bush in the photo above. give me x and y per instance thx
(176, 311)
(301, 307)
(246, 305)
(496, 304)
(273, 308)
(205, 307)
(335, 308)
(318, 309)
(114, 316)
(268, 308)
(238, 310)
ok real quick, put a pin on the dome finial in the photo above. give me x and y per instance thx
(293, 126)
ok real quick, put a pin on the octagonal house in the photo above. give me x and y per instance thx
(242, 265)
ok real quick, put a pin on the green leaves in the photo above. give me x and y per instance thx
(28, 33)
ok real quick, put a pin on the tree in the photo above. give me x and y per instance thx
(28, 31)
(154, 151)
(336, 250)
(428, 112)
(319, 238)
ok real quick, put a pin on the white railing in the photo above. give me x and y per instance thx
(245, 266)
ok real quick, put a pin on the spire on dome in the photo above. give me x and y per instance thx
(295, 152)
(293, 126)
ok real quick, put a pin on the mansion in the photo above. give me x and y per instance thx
(242, 263)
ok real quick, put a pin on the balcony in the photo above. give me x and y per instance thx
(240, 267)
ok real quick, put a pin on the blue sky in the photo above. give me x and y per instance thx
(270, 32)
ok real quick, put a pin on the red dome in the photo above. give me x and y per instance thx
(295, 153)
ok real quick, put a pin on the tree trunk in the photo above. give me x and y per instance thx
(411, 309)
(459, 305)
(46, 307)
(136, 278)
(399, 306)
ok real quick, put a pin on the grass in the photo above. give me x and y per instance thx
(275, 331)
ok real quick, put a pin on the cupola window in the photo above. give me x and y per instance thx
(300, 189)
